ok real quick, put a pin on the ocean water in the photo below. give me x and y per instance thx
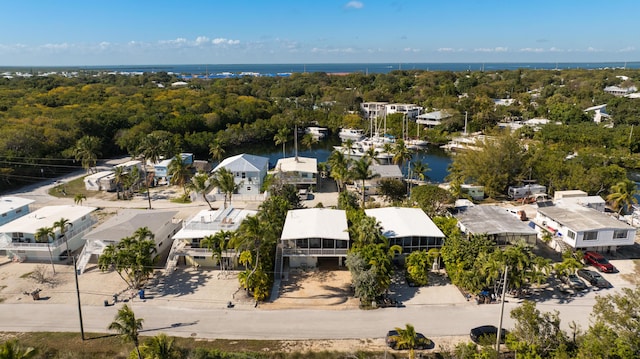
(232, 70)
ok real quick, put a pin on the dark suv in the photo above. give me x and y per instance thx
(422, 342)
(598, 261)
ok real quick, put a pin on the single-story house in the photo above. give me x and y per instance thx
(12, 208)
(93, 182)
(161, 223)
(299, 171)
(584, 228)
(187, 248)
(379, 173)
(409, 228)
(248, 170)
(18, 240)
(495, 222)
(432, 119)
(312, 233)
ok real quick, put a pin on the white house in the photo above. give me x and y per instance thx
(248, 170)
(313, 233)
(17, 238)
(373, 110)
(298, 170)
(187, 248)
(599, 113)
(410, 111)
(12, 208)
(161, 223)
(409, 228)
(93, 182)
(433, 118)
(619, 91)
(584, 228)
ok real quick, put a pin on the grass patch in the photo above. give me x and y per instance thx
(102, 346)
(2, 287)
(2, 299)
(71, 188)
(26, 275)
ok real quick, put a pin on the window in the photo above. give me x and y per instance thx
(248, 188)
(199, 257)
(590, 236)
(4, 215)
(19, 210)
(620, 234)
(571, 234)
(244, 175)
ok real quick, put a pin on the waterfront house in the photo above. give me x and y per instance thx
(495, 222)
(18, 241)
(248, 170)
(373, 110)
(187, 248)
(298, 171)
(313, 235)
(12, 208)
(163, 224)
(379, 173)
(409, 228)
(433, 118)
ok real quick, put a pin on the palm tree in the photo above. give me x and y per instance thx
(249, 238)
(78, 198)
(420, 169)
(62, 225)
(118, 179)
(406, 339)
(11, 349)
(347, 146)
(128, 327)
(150, 149)
(308, 140)
(43, 235)
(216, 151)
(361, 171)
(281, 139)
(339, 168)
(225, 181)
(201, 183)
(179, 172)
(159, 347)
(218, 244)
(401, 153)
(86, 151)
(622, 196)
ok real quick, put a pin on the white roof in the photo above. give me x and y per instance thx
(386, 171)
(97, 176)
(316, 223)
(9, 203)
(398, 222)
(299, 164)
(595, 108)
(435, 115)
(208, 222)
(243, 163)
(46, 217)
(582, 219)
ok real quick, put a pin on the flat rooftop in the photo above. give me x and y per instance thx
(400, 222)
(492, 220)
(582, 219)
(316, 223)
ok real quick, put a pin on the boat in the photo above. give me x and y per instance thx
(317, 132)
(464, 143)
(351, 134)
(362, 147)
(416, 144)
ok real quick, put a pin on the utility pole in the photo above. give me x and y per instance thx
(75, 274)
(504, 291)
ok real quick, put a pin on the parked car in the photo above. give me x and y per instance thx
(422, 342)
(574, 282)
(594, 278)
(487, 333)
(597, 260)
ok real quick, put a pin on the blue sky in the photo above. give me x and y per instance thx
(136, 32)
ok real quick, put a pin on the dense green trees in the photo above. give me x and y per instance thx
(132, 257)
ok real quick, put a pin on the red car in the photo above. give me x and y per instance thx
(598, 261)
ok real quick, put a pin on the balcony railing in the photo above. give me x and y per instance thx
(315, 251)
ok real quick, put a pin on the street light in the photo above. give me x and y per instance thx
(504, 291)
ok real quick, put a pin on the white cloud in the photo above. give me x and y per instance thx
(491, 49)
(409, 49)
(201, 40)
(627, 49)
(555, 49)
(592, 49)
(223, 41)
(62, 46)
(354, 5)
(531, 49)
(449, 49)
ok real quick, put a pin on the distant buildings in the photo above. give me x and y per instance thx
(12, 208)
